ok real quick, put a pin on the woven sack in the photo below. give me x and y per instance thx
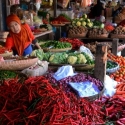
(17, 64)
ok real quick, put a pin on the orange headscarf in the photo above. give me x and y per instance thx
(19, 38)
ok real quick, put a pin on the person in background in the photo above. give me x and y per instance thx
(46, 18)
(109, 4)
(20, 38)
(15, 9)
(98, 9)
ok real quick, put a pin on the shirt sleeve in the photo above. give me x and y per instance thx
(9, 43)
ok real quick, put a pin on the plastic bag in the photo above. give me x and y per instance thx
(86, 50)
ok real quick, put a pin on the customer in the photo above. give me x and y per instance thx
(99, 9)
(20, 37)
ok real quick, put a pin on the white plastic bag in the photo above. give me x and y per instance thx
(86, 50)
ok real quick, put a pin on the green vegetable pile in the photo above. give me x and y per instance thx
(6, 74)
(98, 24)
(111, 65)
(68, 58)
(56, 45)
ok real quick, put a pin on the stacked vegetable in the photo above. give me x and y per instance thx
(4, 50)
(68, 58)
(52, 44)
(62, 18)
(4, 74)
(83, 21)
(76, 43)
(77, 31)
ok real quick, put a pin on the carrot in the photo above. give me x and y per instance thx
(118, 85)
(120, 88)
(120, 92)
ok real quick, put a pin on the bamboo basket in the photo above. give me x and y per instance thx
(87, 67)
(15, 64)
(117, 35)
(77, 35)
(98, 36)
(8, 54)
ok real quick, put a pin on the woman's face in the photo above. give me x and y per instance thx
(15, 27)
(47, 16)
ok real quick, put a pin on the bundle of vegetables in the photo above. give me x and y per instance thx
(109, 28)
(68, 58)
(37, 101)
(76, 43)
(62, 18)
(111, 65)
(52, 44)
(65, 16)
(6, 74)
(98, 24)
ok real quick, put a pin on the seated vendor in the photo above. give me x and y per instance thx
(20, 38)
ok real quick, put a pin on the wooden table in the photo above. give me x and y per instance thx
(48, 35)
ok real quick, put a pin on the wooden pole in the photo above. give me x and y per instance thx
(100, 62)
(115, 46)
(55, 8)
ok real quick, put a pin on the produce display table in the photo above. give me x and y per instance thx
(114, 45)
(45, 35)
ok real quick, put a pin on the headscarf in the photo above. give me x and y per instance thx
(19, 38)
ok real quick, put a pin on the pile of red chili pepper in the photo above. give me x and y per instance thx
(3, 49)
(38, 102)
(61, 19)
(114, 108)
(76, 43)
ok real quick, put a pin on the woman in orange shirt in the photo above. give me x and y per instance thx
(20, 38)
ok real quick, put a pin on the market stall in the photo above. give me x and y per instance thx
(75, 80)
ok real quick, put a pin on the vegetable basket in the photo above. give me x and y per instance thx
(56, 50)
(96, 96)
(114, 69)
(87, 67)
(77, 35)
(117, 35)
(17, 63)
(98, 36)
(7, 54)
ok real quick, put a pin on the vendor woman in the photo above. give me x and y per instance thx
(20, 38)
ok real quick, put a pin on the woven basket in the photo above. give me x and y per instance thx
(98, 36)
(87, 67)
(14, 64)
(117, 35)
(56, 50)
(8, 54)
(77, 35)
